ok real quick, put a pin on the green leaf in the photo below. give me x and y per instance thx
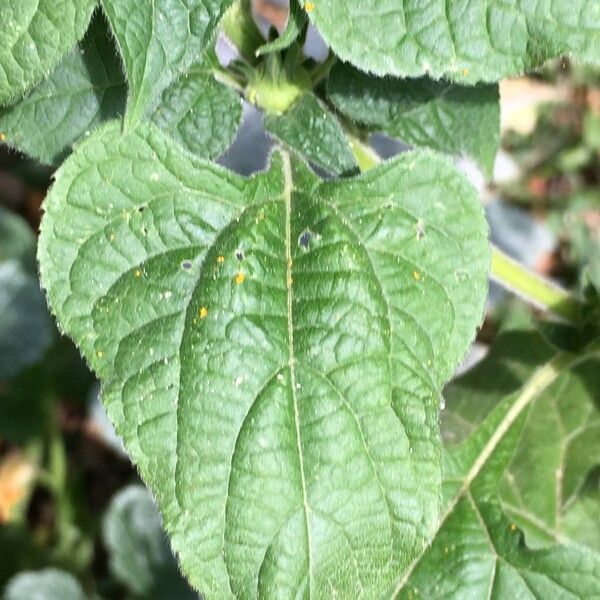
(87, 88)
(35, 35)
(26, 330)
(560, 440)
(49, 584)
(310, 129)
(158, 40)
(271, 350)
(295, 24)
(479, 40)
(139, 554)
(200, 113)
(477, 552)
(458, 120)
(559, 446)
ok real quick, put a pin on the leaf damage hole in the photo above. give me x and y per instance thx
(305, 239)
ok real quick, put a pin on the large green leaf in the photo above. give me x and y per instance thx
(88, 87)
(35, 35)
(139, 553)
(310, 129)
(470, 41)
(477, 552)
(200, 113)
(271, 350)
(158, 40)
(452, 118)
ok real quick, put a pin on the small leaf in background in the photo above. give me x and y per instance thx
(26, 329)
(482, 40)
(16, 478)
(359, 296)
(158, 40)
(17, 241)
(35, 35)
(311, 130)
(48, 584)
(87, 88)
(139, 553)
(200, 113)
(455, 119)
(477, 552)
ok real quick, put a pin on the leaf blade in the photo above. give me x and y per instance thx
(218, 260)
(485, 40)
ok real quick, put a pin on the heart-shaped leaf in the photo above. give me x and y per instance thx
(271, 350)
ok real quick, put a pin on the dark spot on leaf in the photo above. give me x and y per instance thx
(239, 255)
(186, 265)
(305, 237)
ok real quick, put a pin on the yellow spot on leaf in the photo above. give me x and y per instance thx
(240, 278)
(465, 72)
(99, 354)
(220, 259)
(416, 275)
(138, 273)
(2, 137)
(513, 527)
(309, 6)
(203, 312)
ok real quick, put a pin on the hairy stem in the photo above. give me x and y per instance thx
(534, 288)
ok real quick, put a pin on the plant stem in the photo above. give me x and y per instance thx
(533, 288)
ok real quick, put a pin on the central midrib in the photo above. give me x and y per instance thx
(287, 194)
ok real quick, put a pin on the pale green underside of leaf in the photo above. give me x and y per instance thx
(87, 88)
(478, 552)
(311, 130)
(35, 35)
(271, 350)
(158, 40)
(465, 40)
(455, 119)
(200, 113)
(560, 443)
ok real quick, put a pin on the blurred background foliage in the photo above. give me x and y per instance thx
(75, 521)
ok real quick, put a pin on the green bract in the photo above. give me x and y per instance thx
(271, 349)
(469, 41)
